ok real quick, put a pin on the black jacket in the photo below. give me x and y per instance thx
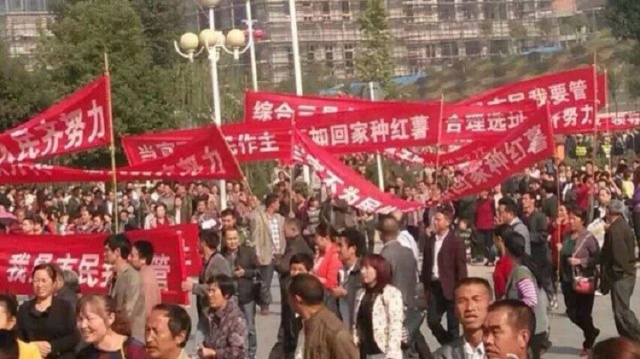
(246, 259)
(56, 325)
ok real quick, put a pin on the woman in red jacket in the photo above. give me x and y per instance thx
(504, 264)
(557, 230)
(327, 263)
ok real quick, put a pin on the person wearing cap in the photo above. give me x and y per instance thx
(619, 271)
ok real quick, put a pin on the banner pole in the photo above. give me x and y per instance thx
(114, 178)
(607, 128)
(595, 109)
(379, 167)
(437, 174)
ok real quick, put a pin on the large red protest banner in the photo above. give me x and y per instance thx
(84, 254)
(343, 182)
(519, 148)
(248, 142)
(268, 106)
(79, 122)
(570, 94)
(205, 157)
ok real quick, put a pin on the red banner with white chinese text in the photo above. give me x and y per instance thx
(204, 157)
(343, 182)
(571, 95)
(79, 122)
(247, 142)
(618, 121)
(269, 106)
(519, 148)
(84, 254)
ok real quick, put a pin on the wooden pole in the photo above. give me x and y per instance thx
(439, 139)
(114, 178)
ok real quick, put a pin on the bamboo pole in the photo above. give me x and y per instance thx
(114, 178)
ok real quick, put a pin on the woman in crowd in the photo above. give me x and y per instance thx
(8, 320)
(579, 256)
(46, 321)
(524, 283)
(504, 265)
(228, 326)
(105, 330)
(327, 264)
(557, 230)
(378, 313)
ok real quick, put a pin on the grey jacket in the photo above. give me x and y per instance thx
(404, 269)
(215, 265)
(453, 350)
(127, 292)
(520, 228)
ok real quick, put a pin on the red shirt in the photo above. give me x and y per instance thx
(582, 192)
(485, 213)
(500, 276)
(556, 238)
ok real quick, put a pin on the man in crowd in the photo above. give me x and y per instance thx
(167, 332)
(213, 264)
(125, 285)
(141, 258)
(508, 214)
(351, 248)
(266, 230)
(619, 271)
(507, 330)
(472, 298)
(323, 334)
(537, 225)
(444, 264)
(229, 219)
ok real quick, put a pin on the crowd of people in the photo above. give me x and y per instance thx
(551, 230)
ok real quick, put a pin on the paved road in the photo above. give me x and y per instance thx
(566, 337)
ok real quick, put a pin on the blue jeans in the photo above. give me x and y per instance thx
(249, 311)
(266, 272)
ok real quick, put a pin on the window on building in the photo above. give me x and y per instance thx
(449, 49)
(346, 10)
(311, 53)
(348, 59)
(469, 9)
(430, 51)
(16, 5)
(328, 56)
(495, 10)
(499, 47)
(473, 48)
(287, 11)
(289, 55)
(408, 13)
(446, 10)
(326, 10)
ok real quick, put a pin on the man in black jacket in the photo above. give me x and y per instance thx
(243, 262)
(619, 271)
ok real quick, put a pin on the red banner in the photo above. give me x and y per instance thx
(267, 106)
(620, 121)
(246, 141)
(205, 157)
(343, 182)
(570, 94)
(519, 148)
(84, 254)
(78, 122)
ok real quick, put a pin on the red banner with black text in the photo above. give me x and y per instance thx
(78, 122)
(84, 254)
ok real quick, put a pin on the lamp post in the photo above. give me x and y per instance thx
(214, 43)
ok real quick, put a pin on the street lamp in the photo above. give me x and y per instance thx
(215, 42)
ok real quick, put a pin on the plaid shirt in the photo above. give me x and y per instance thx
(228, 332)
(274, 230)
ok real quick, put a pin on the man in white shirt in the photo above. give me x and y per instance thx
(404, 237)
(472, 298)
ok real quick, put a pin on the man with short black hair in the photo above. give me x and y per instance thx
(351, 248)
(472, 298)
(444, 264)
(213, 264)
(140, 258)
(323, 334)
(167, 332)
(508, 214)
(125, 286)
(507, 329)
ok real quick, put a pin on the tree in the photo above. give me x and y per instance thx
(75, 54)
(21, 93)
(374, 60)
(624, 18)
(163, 22)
